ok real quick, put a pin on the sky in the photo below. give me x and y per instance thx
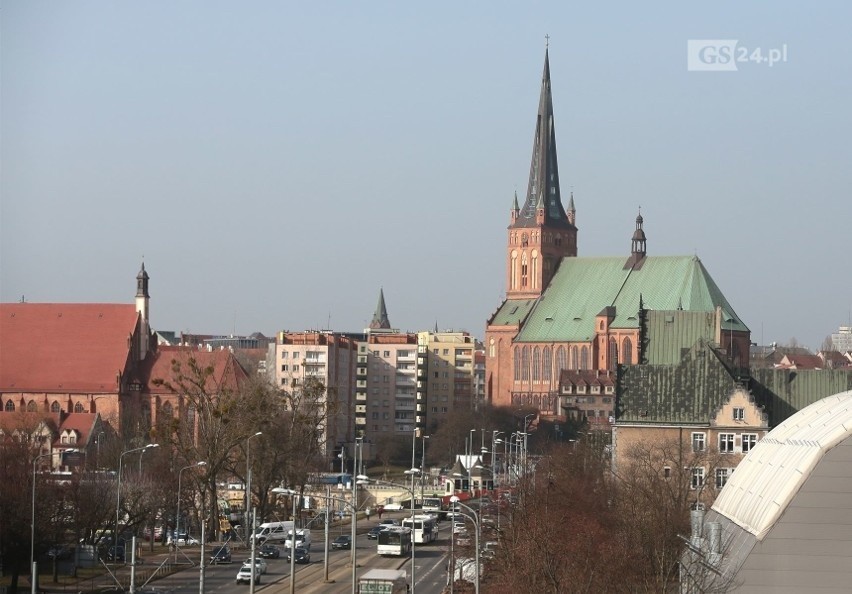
(276, 164)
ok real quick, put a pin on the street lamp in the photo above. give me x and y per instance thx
(118, 488)
(248, 489)
(34, 569)
(365, 480)
(423, 466)
(293, 495)
(352, 507)
(477, 527)
(177, 513)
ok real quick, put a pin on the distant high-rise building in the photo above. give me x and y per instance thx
(842, 339)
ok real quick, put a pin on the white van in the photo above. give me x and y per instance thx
(303, 539)
(273, 532)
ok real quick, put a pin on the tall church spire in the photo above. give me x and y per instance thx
(541, 232)
(380, 318)
(544, 169)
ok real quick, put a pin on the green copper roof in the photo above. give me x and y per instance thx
(512, 312)
(582, 287)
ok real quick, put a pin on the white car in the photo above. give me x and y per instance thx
(244, 576)
(259, 565)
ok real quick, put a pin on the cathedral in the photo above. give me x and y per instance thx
(566, 316)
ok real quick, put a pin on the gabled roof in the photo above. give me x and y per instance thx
(589, 377)
(64, 347)
(801, 362)
(512, 312)
(227, 372)
(686, 393)
(767, 479)
(583, 287)
(82, 423)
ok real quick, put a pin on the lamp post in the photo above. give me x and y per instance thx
(352, 507)
(423, 466)
(477, 527)
(248, 492)
(118, 487)
(469, 465)
(293, 494)
(365, 480)
(33, 565)
(177, 513)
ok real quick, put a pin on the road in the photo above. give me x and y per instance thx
(430, 570)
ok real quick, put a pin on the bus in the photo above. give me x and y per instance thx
(432, 505)
(424, 527)
(394, 541)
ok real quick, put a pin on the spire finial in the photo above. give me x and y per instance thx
(546, 41)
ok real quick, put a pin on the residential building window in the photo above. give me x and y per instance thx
(387, 354)
(722, 475)
(698, 442)
(285, 368)
(434, 409)
(443, 409)
(739, 414)
(296, 355)
(446, 351)
(284, 354)
(375, 416)
(385, 416)
(726, 443)
(667, 471)
(749, 441)
(697, 478)
(385, 403)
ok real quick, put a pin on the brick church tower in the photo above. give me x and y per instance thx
(541, 232)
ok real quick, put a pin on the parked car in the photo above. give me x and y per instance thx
(244, 576)
(269, 551)
(184, 540)
(115, 555)
(59, 552)
(342, 542)
(389, 523)
(221, 555)
(302, 555)
(260, 565)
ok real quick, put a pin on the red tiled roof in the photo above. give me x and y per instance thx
(64, 347)
(227, 372)
(82, 423)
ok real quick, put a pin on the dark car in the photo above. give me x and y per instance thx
(115, 555)
(373, 534)
(59, 552)
(302, 555)
(221, 555)
(342, 542)
(269, 551)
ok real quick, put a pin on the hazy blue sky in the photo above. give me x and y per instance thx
(276, 163)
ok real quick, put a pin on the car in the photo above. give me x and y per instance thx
(59, 552)
(184, 540)
(260, 565)
(115, 555)
(269, 551)
(343, 541)
(221, 555)
(302, 555)
(373, 533)
(389, 523)
(244, 576)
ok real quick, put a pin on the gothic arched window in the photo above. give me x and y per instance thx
(31, 406)
(167, 409)
(525, 364)
(78, 408)
(575, 359)
(524, 271)
(536, 365)
(561, 359)
(10, 406)
(517, 363)
(584, 357)
(55, 408)
(627, 351)
(613, 353)
(546, 365)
